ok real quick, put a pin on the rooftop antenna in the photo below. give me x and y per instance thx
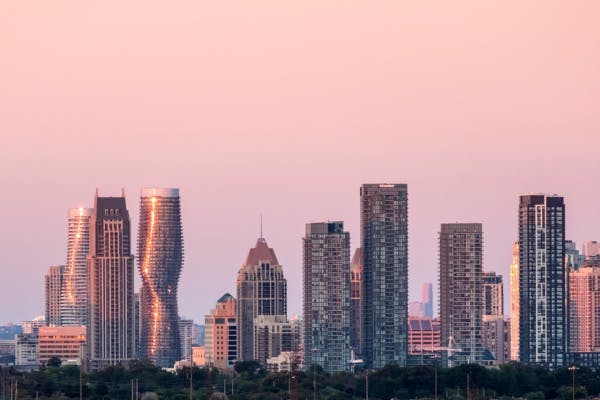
(261, 235)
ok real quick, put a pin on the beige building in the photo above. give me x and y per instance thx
(584, 307)
(221, 334)
(199, 355)
(63, 342)
(514, 303)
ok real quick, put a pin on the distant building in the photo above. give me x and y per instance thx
(326, 300)
(26, 349)
(573, 259)
(31, 327)
(221, 334)
(416, 309)
(74, 300)
(160, 259)
(542, 281)
(261, 290)
(274, 334)
(584, 307)
(356, 306)
(53, 286)
(514, 303)
(199, 355)
(198, 335)
(493, 294)
(427, 299)
(496, 338)
(461, 290)
(423, 335)
(66, 343)
(185, 335)
(591, 248)
(384, 243)
(111, 324)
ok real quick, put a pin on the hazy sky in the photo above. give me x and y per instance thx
(285, 108)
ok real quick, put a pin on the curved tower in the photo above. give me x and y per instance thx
(160, 255)
(73, 302)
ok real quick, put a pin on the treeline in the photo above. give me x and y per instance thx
(251, 382)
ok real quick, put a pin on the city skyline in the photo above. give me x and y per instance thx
(470, 105)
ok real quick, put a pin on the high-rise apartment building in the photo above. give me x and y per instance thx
(53, 282)
(384, 243)
(493, 294)
(261, 290)
(160, 258)
(111, 332)
(326, 295)
(356, 296)
(221, 334)
(461, 290)
(591, 248)
(185, 337)
(542, 280)
(514, 303)
(74, 299)
(496, 338)
(584, 307)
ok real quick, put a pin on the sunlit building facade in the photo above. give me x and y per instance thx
(461, 290)
(66, 343)
(74, 299)
(584, 307)
(111, 331)
(356, 296)
(514, 303)
(261, 290)
(384, 243)
(542, 281)
(221, 334)
(53, 283)
(160, 258)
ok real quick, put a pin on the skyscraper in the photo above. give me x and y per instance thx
(185, 337)
(514, 303)
(326, 292)
(261, 290)
(53, 282)
(74, 299)
(461, 290)
(493, 294)
(160, 257)
(542, 280)
(384, 242)
(427, 299)
(584, 307)
(111, 333)
(356, 290)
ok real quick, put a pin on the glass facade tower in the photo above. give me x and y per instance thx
(160, 258)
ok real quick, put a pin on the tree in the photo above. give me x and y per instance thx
(54, 362)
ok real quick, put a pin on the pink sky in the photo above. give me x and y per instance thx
(285, 108)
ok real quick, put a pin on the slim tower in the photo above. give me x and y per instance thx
(160, 250)
(493, 294)
(514, 303)
(461, 290)
(584, 307)
(384, 242)
(53, 284)
(74, 299)
(542, 280)
(111, 333)
(326, 292)
(356, 299)
(261, 290)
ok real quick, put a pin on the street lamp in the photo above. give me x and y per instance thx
(573, 369)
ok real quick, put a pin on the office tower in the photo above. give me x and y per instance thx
(493, 294)
(185, 337)
(423, 335)
(74, 299)
(514, 303)
(542, 280)
(273, 335)
(584, 307)
(261, 290)
(427, 299)
(356, 319)
(221, 334)
(573, 259)
(384, 242)
(461, 290)
(53, 286)
(326, 292)
(591, 248)
(66, 343)
(160, 257)
(496, 338)
(111, 331)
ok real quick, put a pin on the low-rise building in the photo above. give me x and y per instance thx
(63, 342)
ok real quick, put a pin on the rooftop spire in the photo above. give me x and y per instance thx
(261, 235)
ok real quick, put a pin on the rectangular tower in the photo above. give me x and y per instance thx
(326, 292)
(384, 242)
(461, 290)
(514, 303)
(493, 297)
(111, 332)
(584, 307)
(53, 282)
(542, 280)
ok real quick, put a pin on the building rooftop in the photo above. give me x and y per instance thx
(261, 253)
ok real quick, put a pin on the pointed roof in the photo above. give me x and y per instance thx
(225, 298)
(357, 260)
(261, 252)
